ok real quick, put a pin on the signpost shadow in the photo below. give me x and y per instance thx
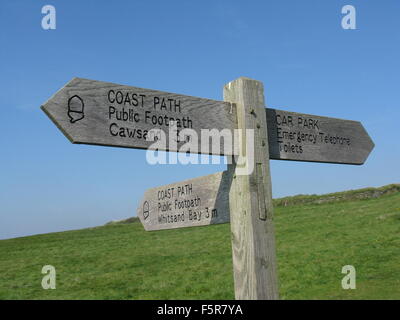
(222, 198)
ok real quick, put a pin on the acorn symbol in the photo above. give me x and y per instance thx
(145, 210)
(75, 109)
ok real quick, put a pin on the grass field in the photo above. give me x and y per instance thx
(122, 261)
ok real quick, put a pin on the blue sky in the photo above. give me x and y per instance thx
(298, 49)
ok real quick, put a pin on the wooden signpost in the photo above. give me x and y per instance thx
(304, 137)
(250, 199)
(108, 114)
(101, 113)
(196, 202)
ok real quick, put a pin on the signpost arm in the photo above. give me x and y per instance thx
(250, 198)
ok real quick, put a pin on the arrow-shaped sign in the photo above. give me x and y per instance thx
(304, 137)
(195, 202)
(102, 113)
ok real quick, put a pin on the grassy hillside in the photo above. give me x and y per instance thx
(315, 238)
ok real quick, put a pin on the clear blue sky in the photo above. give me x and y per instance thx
(298, 49)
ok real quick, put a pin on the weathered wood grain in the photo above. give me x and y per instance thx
(304, 137)
(86, 112)
(195, 202)
(102, 113)
(250, 199)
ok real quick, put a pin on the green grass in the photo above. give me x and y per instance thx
(122, 261)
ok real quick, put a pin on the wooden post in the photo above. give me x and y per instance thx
(250, 198)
